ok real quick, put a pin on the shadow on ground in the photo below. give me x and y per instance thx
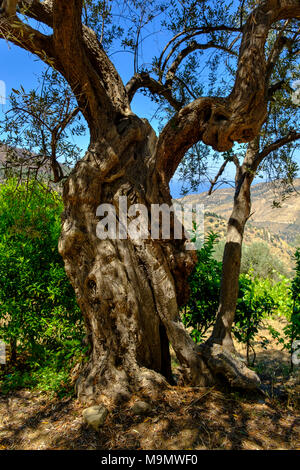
(184, 418)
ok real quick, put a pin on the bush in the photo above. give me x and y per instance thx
(254, 303)
(258, 297)
(39, 317)
(199, 313)
(290, 340)
(293, 331)
(258, 259)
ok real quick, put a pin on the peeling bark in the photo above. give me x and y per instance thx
(128, 290)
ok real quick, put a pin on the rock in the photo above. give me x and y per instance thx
(95, 416)
(230, 366)
(141, 408)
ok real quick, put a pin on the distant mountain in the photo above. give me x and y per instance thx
(283, 221)
(28, 162)
(279, 227)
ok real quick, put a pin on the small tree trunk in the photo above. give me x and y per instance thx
(221, 339)
(219, 348)
(232, 263)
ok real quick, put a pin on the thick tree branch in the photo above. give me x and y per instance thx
(67, 22)
(239, 117)
(185, 129)
(143, 80)
(67, 34)
(28, 38)
(76, 53)
(43, 12)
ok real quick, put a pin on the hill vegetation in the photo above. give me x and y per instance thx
(277, 218)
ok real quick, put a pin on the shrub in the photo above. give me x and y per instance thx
(199, 312)
(290, 340)
(258, 298)
(39, 317)
(254, 303)
(258, 259)
(293, 330)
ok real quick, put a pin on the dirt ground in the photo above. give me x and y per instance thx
(183, 418)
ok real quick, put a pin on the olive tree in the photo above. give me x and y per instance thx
(129, 290)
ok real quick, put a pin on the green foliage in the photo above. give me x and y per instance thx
(291, 337)
(98, 16)
(258, 261)
(204, 283)
(47, 378)
(254, 303)
(295, 288)
(39, 317)
(258, 298)
(39, 129)
(280, 292)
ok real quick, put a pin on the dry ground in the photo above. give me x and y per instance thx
(183, 418)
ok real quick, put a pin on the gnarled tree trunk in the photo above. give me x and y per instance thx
(128, 290)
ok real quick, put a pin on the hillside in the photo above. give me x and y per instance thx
(283, 221)
(278, 246)
(26, 164)
(276, 226)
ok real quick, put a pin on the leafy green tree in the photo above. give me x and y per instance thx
(38, 129)
(257, 258)
(199, 313)
(253, 306)
(39, 316)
